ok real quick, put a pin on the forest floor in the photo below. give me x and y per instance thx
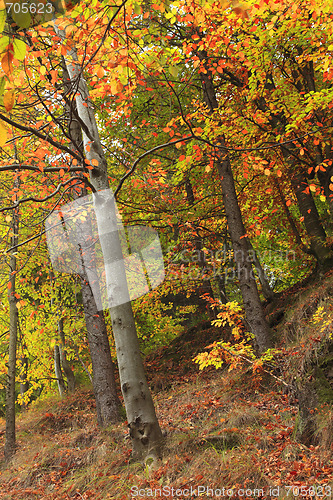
(225, 430)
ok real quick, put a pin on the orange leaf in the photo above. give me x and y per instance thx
(6, 62)
(9, 285)
(94, 162)
(100, 72)
(9, 100)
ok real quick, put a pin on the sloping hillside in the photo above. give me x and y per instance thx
(234, 429)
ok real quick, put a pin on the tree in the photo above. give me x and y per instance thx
(143, 425)
(10, 443)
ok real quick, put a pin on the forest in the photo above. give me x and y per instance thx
(166, 255)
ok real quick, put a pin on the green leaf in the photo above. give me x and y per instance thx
(20, 49)
(4, 42)
(137, 8)
(23, 20)
(173, 70)
(3, 16)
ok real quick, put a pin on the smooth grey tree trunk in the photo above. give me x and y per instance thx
(143, 425)
(253, 308)
(103, 379)
(10, 438)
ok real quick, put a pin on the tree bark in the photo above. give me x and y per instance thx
(10, 440)
(63, 358)
(265, 286)
(143, 425)
(253, 308)
(24, 384)
(58, 372)
(318, 245)
(104, 385)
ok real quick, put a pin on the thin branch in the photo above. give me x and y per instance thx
(252, 363)
(18, 166)
(41, 200)
(135, 164)
(41, 136)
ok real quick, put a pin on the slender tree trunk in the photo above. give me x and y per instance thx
(103, 380)
(63, 358)
(10, 442)
(313, 225)
(221, 285)
(325, 178)
(143, 425)
(58, 372)
(253, 308)
(291, 220)
(107, 402)
(265, 286)
(206, 286)
(24, 384)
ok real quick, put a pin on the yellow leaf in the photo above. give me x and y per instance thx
(313, 188)
(9, 100)
(3, 134)
(208, 169)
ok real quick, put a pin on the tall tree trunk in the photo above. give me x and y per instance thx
(63, 358)
(253, 308)
(58, 372)
(104, 385)
(10, 442)
(143, 425)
